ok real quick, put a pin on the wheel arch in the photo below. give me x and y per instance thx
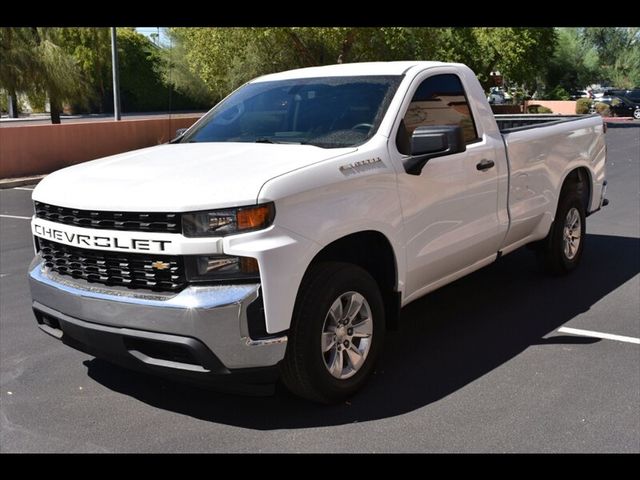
(581, 178)
(372, 251)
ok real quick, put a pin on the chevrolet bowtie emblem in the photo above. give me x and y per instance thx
(159, 265)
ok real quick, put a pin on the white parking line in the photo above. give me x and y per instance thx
(23, 188)
(15, 216)
(591, 333)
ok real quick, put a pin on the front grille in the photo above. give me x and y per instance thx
(131, 221)
(133, 270)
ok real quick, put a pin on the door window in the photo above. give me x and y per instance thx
(439, 100)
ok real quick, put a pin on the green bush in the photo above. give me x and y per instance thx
(538, 109)
(38, 101)
(603, 109)
(583, 105)
(558, 93)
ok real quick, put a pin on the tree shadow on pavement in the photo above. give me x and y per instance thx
(446, 340)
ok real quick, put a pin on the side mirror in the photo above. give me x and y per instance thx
(180, 132)
(431, 142)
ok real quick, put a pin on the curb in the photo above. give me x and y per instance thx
(18, 182)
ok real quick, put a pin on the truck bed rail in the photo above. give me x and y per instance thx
(514, 123)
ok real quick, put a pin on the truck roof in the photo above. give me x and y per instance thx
(347, 70)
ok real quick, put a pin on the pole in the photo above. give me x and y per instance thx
(116, 80)
(12, 104)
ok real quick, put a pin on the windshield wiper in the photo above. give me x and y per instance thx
(268, 140)
(264, 140)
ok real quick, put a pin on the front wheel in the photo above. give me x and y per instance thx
(563, 246)
(336, 333)
(636, 114)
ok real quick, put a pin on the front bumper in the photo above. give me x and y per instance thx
(201, 333)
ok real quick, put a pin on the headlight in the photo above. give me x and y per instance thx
(212, 268)
(218, 223)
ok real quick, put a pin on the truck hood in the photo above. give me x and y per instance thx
(177, 177)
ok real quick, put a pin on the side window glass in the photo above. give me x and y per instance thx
(439, 100)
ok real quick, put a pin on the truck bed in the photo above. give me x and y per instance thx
(514, 123)
(539, 148)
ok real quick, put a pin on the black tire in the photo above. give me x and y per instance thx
(552, 253)
(303, 370)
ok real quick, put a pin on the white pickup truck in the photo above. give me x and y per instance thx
(282, 233)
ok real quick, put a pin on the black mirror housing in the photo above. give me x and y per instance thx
(433, 141)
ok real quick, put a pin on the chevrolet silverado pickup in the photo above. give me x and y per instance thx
(281, 234)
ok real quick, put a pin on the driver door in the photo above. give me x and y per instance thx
(450, 208)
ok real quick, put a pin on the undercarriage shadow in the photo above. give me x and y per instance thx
(446, 340)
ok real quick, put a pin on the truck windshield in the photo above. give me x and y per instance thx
(328, 112)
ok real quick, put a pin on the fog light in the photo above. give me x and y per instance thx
(218, 268)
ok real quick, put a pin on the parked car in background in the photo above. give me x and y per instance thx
(620, 106)
(576, 94)
(498, 96)
(632, 94)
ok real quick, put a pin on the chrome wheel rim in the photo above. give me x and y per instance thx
(572, 233)
(346, 335)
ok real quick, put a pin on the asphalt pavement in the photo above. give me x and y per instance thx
(477, 366)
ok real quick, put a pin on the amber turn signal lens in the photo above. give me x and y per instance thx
(249, 265)
(255, 217)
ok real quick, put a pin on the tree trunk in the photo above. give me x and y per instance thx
(302, 49)
(12, 104)
(347, 43)
(56, 106)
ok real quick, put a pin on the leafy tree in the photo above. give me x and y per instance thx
(573, 65)
(610, 41)
(33, 62)
(625, 72)
(175, 71)
(142, 86)
(18, 64)
(91, 47)
(73, 65)
(520, 54)
(619, 53)
(224, 58)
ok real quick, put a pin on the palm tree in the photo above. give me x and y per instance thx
(33, 62)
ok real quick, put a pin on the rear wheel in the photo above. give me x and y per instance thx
(336, 333)
(562, 249)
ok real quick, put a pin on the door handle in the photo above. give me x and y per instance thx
(485, 164)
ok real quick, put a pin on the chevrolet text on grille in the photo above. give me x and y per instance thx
(101, 241)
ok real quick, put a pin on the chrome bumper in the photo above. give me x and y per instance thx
(216, 316)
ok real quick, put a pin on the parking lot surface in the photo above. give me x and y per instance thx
(477, 366)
